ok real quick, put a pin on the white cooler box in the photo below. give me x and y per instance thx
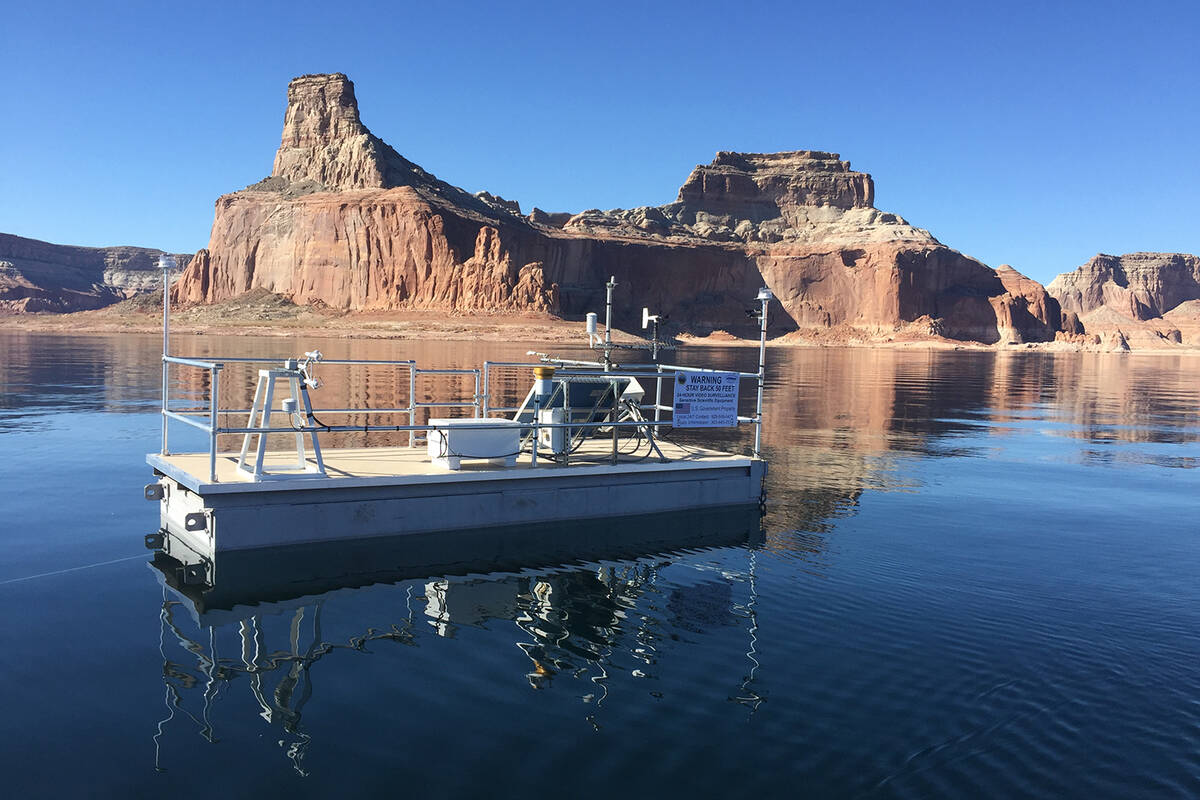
(494, 440)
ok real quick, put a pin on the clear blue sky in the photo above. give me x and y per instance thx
(1035, 134)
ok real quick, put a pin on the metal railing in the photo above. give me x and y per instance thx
(656, 372)
(208, 418)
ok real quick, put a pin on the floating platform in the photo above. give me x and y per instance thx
(374, 492)
(247, 582)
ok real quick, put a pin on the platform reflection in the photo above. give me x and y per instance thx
(581, 599)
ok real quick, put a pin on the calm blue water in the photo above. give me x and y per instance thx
(978, 576)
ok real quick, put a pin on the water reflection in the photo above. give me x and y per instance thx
(579, 602)
(979, 571)
(846, 400)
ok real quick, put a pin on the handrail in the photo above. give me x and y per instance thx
(658, 372)
(339, 361)
(187, 420)
(192, 362)
(480, 400)
(402, 428)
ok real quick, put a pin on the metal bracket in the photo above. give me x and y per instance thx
(155, 541)
(193, 574)
(196, 521)
(155, 491)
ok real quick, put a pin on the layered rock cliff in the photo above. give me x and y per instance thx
(1141, 286)
(40, 276)
(1138, 300)
(345, 221)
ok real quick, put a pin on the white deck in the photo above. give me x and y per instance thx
(389, 466)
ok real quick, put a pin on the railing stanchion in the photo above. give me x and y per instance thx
(658, 396)
(165, 263)
(214, 405)
(412, 402)
(487, 389)
(765, 295)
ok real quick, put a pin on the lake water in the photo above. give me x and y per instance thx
(977, 576)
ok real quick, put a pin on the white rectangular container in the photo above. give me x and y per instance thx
(552, 439)
(494, 440)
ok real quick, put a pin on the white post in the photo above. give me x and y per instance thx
(487, 389)
(412, 403)
(214, 406)
(612, 282)
(658, 395)
(165, 263)
(764, 295)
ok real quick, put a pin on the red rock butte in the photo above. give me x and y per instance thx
(347, 222)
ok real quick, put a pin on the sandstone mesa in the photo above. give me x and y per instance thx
(346, 222)
(1139, 298)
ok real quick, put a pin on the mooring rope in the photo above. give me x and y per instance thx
(71, 569)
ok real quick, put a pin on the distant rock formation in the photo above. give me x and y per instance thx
(1141, 286)
(40, 276)
(1138, 300)
(347, 222)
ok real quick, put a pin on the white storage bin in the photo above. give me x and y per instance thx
(494, 440)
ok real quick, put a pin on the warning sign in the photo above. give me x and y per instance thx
(706, 400)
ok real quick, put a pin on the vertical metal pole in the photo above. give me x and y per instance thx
(412, 402)
(487, 389)
(612, 281)
(568, 434)
(614, 431)
(165, 265)
(477, 398)
(533, 440)
(658, 396)
(214, 404)
(765, 296)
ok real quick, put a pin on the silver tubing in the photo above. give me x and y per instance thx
(487, 389)
(658, 409)
(214, 403)
(412, 404)
(315, 410)
(166, 347)
(681, 368)
(195, 423)
(341, 361)
(193, 362)
(612, 282)
(762, 373)
(477, 399)
(419, 428)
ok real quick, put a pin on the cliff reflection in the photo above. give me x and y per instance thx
(839, 400)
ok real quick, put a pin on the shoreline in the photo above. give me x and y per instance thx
(527, 327)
